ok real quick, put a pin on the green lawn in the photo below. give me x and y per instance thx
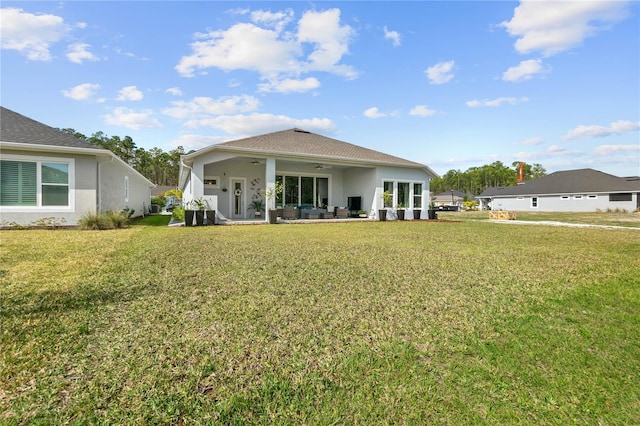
(466, 322)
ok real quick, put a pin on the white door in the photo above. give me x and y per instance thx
(237, 199)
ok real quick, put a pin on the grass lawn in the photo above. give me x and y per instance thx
(348, 323)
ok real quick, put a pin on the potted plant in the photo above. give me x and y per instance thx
(432, 211)
(400, 211)
(416, 214)
(257, 206)
(387, 199)
(362, 213)
(270, 195)
(189, 213)
(200, 204)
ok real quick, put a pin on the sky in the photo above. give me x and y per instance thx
(452, 85)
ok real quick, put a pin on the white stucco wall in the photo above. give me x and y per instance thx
(572, 203)
(82, 171)
(114, 177)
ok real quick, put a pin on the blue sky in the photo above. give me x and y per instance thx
(452, 85)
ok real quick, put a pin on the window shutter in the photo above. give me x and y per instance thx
(18, 181)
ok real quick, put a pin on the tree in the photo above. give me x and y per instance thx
(159, 167)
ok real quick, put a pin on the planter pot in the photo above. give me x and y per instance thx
(416, 214)
(382, 215)
(273, 216)
(210, 217)
(363, 215)
(188, 217)
(258, 214)
(432, 214)
(199, 217)
(400, 214)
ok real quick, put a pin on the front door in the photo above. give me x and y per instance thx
(237, 199)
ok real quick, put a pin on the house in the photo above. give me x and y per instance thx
(583, 190)
(46, 173)
(315, 171)
(449, 200)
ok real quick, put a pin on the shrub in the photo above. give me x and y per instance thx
(117, 219)
(93, 221)
(160, 201)
(178, 214)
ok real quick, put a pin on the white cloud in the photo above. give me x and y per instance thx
(175, 91)
(496, 102)
(552, 27)
(422, 111)
(531, 141)
(596, 131)
(525, 70)
(204, 107)
(374, 112)
(31, 35)
(271, 51)
(441, 72)
(616, 149)
(255, 124)
(129, 93)
(82, 92)
(275, 20)
(331, 41)
(394, 36)
(125, 117)
(78, 52)
(290, 85)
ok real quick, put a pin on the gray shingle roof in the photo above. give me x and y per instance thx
(297, 141)
(567, 182)
(16, 127)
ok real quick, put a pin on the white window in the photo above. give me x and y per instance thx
(534, 202)
(592, 197)
(417, 195)
(28, 183)
(577, 197)
(126, 189)
(212, 182)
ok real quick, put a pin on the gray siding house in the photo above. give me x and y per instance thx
(583, 190)
(317, 172)
(46, 173)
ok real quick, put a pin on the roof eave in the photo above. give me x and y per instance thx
(188, 158)
(70, 150)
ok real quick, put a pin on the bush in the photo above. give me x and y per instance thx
(178, 214)
(93, 221)
(107, 220)
(117, 219)
(160, 201)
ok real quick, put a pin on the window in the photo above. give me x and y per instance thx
(592, 197)
(417, 195)
(291, 190)
(25, 182)
(388, 187)
(534, 202)
(625, 196)
(564, 197)
(212, 182)
(577, 197)
(126, 189)
(403, 194)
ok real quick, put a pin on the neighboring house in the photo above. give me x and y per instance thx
(46, 173)
(583, 190)
(449, 200)
(316, 171)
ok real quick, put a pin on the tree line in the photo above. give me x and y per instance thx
(159, 167)
(476, 179)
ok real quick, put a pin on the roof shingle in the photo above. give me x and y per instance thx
(16, 127)
(301, 142)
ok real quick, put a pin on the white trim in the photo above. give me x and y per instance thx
(126, 189)
(39, 207)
